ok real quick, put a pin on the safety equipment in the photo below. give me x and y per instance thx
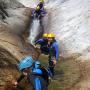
(51, 35)
(38, 7)
(25, 63)
(45, 35)
(41, 1)
(37, 64)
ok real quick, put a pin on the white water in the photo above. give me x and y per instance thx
(34, 31)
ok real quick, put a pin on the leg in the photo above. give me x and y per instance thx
(38, 83)
(52, 71)
(51, 67)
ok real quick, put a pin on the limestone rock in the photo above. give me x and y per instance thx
(13, 46)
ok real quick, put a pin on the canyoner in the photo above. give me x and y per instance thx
(36, 75)
(39, 12)
(42, 44)
(53, 53)
(36, 27)
(49, 46)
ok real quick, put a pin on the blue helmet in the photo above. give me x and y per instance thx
(37, 64)
(25, 63)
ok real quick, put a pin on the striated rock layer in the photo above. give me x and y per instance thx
(13, 33)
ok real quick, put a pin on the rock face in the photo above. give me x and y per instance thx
(10, 4)
(13, 46)
(69, 20)
(7, 66)
(13, 27)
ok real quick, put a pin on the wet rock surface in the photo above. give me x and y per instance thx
(13, 45)
(70, 21)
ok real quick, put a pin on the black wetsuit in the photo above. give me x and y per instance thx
(43, 45)
(39, 12)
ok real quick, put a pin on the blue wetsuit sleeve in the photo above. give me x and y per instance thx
(57, 50)
(43, 11)
(37, 84)
(39, 41)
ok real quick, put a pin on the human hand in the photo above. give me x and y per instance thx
(54, 62)
(25, 73)
(14, 83)
(37, 46)
(34, 46)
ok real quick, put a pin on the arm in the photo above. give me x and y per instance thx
(56, 50)
(20, 78)
(39, 41)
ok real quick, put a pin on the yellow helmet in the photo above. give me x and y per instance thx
(51, 35)
(45, 35)
(38, 7)
(42, 1)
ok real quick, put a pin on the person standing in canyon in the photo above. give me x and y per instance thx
(39, 12)
(53, 52)
(30, 68)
